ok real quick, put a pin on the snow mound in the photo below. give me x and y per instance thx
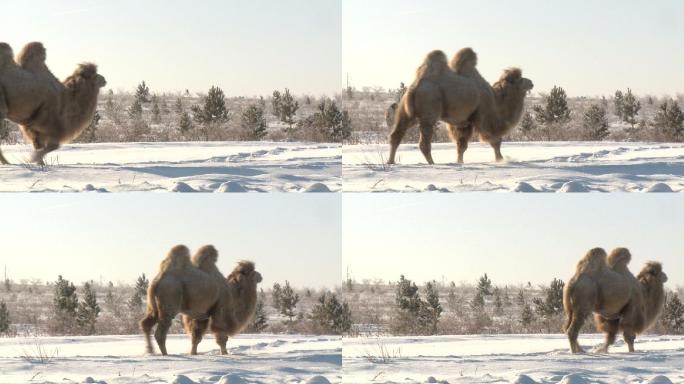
(574, 186)
(182, 379)
(524, 187)
(318, 379)
(660, 379)
(524, 379)
(231, 186)
(232, 379)
(182, 187)
(317, 187)
(432, 379)
(573, 378)
(430, 187)
(90, 380)
(659, 187)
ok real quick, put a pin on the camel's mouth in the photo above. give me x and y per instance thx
(258, 277)
(101, 81)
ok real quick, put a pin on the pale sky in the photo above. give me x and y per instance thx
(514, 238)
(117, 237)
(587, 47)
(245, 47)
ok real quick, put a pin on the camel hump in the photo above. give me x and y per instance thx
(6, 54)
(177, 260)
(205, 258)
(619, 258)
(32, 57)
(464, 61)
(594, 261)
(434, 65)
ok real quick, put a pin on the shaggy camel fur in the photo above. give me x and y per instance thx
(48, 112)
(462, 99)
(201, 296)
(604, 285)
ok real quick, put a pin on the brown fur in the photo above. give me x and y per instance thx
(433, 67)
(48, 112)
(461, 98)
(184, 286)
(620, 302)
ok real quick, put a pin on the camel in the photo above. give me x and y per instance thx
(603, 284)
(457, 95)
(49, 112)
(193, 289)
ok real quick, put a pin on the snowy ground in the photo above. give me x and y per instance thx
(119, 359)
(178, 167)
(528, 167)
(520, 359)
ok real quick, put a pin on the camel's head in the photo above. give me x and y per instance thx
(85, 77)
(245, 274)
(512, 82)
(652, 272)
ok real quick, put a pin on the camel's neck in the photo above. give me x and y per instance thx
(79, 108)
(245, 299)
(510, 109)
(654, 299)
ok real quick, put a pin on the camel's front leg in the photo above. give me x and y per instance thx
(221, 340)
(496, 144)
(401, 124)
(39, 154)
(426, 132)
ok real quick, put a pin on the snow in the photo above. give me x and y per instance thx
(120, 359)
(522, 359)
(528, 167)
(177, 167)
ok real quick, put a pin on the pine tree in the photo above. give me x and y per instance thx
(556, 110)
(498, 304)
(178, 106)
(552, 305)
(260, 320)
(276, 102)
(669, 121)
(214, 111)
(88, 310)
(8, 285)
(630, 108)
(408, 305)
(4, 318)
(478, 303)
(139, 291)
(184, 123)
(142, 93)
(135, 111)
(288, 109)
(88, 135)
(484, 286)
(331, 315)
(527, 124)
(252, 119)
(619, 102)
(400, 92)
(673, 313)
(65, 303)
(527, 315)
(521, 297)
(156, 113)
(595, 122)
(276, 295)
(432, 309)
(288, 302)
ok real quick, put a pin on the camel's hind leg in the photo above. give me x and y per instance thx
(461, 136)
(221, 340)
(427, 129)
(610, 328)
(40, 153)
(196, 328)
(629, 336)
(402, 123)
(146, 326)
(496, 144)
(161, 332)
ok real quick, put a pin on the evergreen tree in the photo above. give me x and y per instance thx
(260, 320)
(329, 121)
(156, 113)
(673, 313)
(484, 286)
(478, 303)
(527, 315)
(498, 304)
(285, 108)
(252, 119)
(8, 285)
(595, 122)
(178, 106)
(556, 110)
(4, 318)
(135, 111)
(184, 123)
(88, 135)
(88, 310)
(432, 309)
(400, 92)
(630, 108)
(142, 93)
(527, 124)
(65, 303)
(408, 305)
(619, 102)
(213, 113)
(276, 102)
(553, 303)
(139, 291)
(276, 295)
(521, 297)
(669, 121)
(288, 301)
(331, 315)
